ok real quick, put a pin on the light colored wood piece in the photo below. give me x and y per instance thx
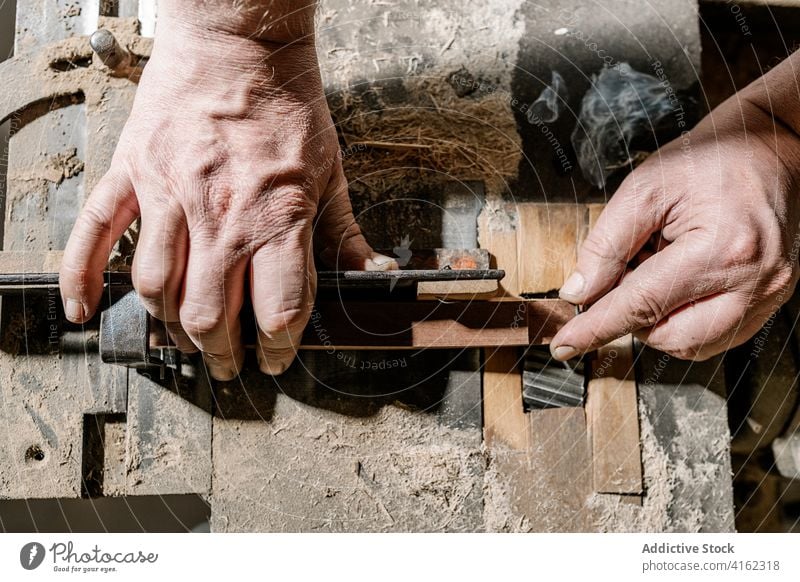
(547, 241)
(613, 420)
(30, 261)
(502, 245)
(457, 290)
(504, 421)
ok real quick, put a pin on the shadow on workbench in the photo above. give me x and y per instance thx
(359, 384)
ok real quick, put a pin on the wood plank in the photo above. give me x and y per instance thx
(547, 238)
(425, 324)
(502, 244)
(546, 317)
(612, 411)
(613, 418)
(457, 290)
(547, 488)
(504, 419)
(30, 261)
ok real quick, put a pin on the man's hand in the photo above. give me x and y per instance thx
(699, 245)
(232, 161)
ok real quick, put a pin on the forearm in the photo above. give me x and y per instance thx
(234, 56)
(763, 117)
(277, 21)
(778, 93)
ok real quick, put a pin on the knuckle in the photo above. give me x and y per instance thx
(289, 320)
(295, 206)
(94, 217)
(782, 279)
(742, 250)
(201, 320)
(600, 247)
(150, 286)
(645, 308)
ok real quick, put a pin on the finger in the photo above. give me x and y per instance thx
(631, 216)
(108, 212)
(337, 234)
(212, 299)
(705, 328)
(159, 266)
(283, 287)
(677, 275)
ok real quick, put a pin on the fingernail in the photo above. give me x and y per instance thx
(220, 371)
(180, 339)
(380, 262)
(563, 353)
(273, 366)
(573, 287)
(74, 310)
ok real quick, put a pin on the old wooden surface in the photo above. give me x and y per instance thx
(582, 470)
(97, 429)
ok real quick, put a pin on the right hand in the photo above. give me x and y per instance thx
(722, 205)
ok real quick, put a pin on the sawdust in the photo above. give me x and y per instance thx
(16, 332)
(398, 470)
(684, 489)
(499, 514)
(54, 168)
(611, 514)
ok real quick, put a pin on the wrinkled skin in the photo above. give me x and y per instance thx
(231, 160)
(699, 245)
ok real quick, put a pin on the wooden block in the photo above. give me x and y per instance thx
(547, 487)
(416, 324)
(504, 419)
(613, 419)
(546, 317)
(547, 239)
(457, 290)
(502, 245)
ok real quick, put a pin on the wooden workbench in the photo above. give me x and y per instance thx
(427, 440)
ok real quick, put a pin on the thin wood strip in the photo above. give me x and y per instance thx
(428, 324)
(612, 413)
(547, 243)
(505, 422)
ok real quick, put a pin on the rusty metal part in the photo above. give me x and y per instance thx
(117, 58)
(57, 70)
(125, 333)
(105, 45)
(10, 282)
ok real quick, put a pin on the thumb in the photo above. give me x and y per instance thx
(108, 212)
(631, 216)
(341, 244)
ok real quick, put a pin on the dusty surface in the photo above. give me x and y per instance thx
(686, 468)
(312, 470)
